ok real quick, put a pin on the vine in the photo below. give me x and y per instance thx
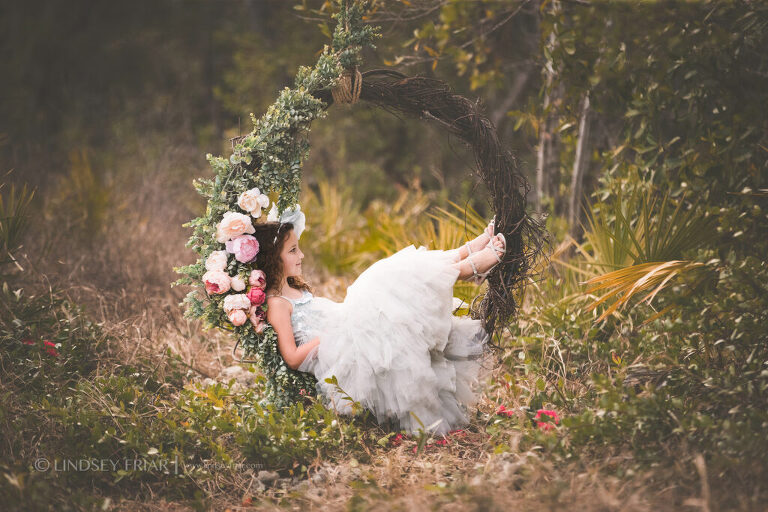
(265, 165)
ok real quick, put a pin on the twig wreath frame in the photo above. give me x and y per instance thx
(270, 159)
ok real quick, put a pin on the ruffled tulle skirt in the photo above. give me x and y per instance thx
(395, 346)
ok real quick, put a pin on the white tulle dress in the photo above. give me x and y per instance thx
(394, 344)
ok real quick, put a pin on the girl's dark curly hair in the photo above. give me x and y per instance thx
(268, 258)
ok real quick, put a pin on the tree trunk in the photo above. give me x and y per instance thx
(580, 164)
(547, 155)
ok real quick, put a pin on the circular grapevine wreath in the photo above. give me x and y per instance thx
(270, 157)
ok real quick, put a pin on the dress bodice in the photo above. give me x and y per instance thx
(301, 317)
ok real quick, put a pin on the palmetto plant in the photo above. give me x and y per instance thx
(336, 229)
(635, 245)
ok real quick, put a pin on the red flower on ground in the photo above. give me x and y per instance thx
(503, 411)
(458, 432)
(541, 414)
(28, 341)
(429, 446)
(397, 440)
(50, 348)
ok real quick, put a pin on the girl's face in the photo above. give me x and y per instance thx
(291, 256)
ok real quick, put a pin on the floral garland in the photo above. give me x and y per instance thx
(264, 169)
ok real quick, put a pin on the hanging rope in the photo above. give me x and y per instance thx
(349, 87)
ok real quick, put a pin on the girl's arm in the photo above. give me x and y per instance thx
(279, 316)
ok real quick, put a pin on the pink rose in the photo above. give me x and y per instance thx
(244, 247)
(237, 317)
(256, 296)
(216, 281)
(258, 279)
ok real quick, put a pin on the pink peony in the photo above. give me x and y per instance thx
(258, 318)
(258, 279)
(237, 317)
(232, 225)
(216, 281)
(244, 247)
(256, 296)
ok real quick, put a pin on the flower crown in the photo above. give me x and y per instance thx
(235, 231)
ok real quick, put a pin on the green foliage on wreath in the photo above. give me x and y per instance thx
(269, 158)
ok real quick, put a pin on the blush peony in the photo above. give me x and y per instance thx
(237, 317)
(216, 261)
(236, 301)
(244, 247)
(258, 279)
(232, 225)
(216, 281)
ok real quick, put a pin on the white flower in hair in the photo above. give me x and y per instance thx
(293, 215)
(236, 301)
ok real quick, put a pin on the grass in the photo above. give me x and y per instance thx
(134, 380)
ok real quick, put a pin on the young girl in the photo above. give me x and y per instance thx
(393, 344)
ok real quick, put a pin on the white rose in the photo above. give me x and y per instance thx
(238, 284)
(216, 261)
(232, 225)
(249, 200)
(236, 301)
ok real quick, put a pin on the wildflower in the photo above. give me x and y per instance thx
(28, 341)
(50, 348)
(428, 446)
(397, 440)
(503, 411)
(539, 419)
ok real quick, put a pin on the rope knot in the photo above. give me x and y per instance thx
(349, 86)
